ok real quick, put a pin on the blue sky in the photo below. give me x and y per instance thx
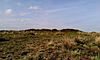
(24, 14)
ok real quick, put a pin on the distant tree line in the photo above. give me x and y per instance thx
(49, 30)
(55, 30)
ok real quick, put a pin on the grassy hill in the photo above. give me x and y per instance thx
(46, 44)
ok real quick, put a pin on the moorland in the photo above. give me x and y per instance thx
(49, 44)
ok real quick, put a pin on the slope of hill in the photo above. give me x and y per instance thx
(46, 44)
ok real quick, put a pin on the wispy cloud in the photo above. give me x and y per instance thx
(18, 4)
(24, 13)
(56, 10)
(34, 7)
(78, 5)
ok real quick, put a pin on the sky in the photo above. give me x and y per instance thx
(60, 14)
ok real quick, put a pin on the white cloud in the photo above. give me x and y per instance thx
(8, 12)
(34, 7)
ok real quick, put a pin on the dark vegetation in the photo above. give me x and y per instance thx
(49, 44)
(54, 30)
(3, 40)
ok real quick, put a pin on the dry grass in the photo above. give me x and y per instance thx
(97, 40)
(50, 46)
